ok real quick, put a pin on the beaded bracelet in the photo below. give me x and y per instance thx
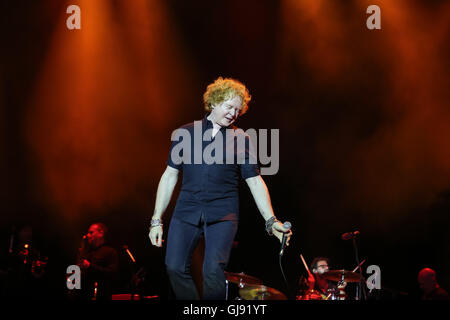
(156, 223)
(269, 224)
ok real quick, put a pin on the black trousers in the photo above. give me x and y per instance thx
(181, 242)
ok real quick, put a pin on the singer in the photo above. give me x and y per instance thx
(208, 202)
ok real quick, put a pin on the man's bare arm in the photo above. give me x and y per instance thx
(261, 195)
(163, 195)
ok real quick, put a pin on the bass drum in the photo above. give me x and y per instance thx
(310, 295)
(335, 294)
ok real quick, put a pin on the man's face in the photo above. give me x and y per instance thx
(427, 282)
(322, 267)
(94, 234)
(227, 112)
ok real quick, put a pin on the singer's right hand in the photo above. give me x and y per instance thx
(278, 230)
(155, 236)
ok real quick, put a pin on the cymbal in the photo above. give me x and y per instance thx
(336, 275)
(260, 293)
(242, 278)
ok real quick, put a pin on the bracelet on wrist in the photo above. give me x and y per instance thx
(156, 223)
(269, 224)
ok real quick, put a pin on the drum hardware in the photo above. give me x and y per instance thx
(311, 295)
(362, 289)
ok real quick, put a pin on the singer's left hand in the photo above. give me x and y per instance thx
(278, 230)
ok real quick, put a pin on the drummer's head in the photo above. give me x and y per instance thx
(320, 265)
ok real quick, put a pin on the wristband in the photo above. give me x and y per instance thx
(269, 224)
(156, 223)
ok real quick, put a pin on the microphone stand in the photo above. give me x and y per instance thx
(11, 240)
(137, 276)
(361, 287)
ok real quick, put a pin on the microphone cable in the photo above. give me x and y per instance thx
(282, 273)
(288, 226)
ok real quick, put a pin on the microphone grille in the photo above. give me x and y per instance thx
(287, 225)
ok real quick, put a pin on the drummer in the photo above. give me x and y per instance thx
(317, 282)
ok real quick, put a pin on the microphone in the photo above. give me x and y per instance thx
(84, 241)
(350, 235)
(287, 225)
(84, 245)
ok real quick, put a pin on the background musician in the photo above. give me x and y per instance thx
(25, 267)
(316, 282)
(99, 264)
(429, 285)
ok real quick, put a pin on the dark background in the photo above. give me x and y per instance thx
(86, 117)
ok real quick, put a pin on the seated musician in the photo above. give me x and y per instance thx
(316, 282)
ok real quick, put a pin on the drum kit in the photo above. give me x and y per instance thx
(338, 276)
(341, 275)
(251, 288)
